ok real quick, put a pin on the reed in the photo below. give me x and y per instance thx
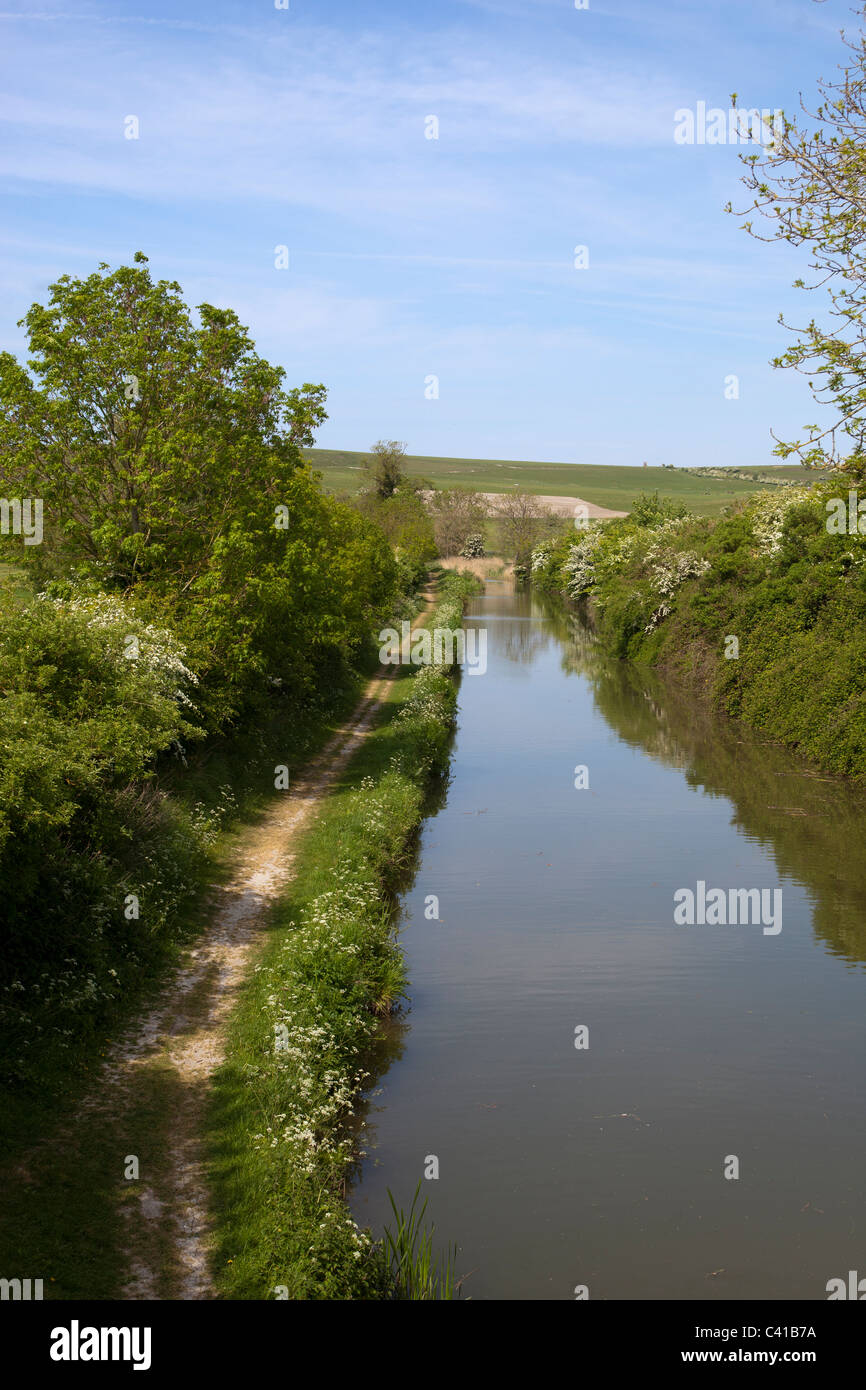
(414, 1270)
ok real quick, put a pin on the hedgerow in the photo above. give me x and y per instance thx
(282, 1131)
(762, 609)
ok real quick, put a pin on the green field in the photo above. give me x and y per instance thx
(599, 483)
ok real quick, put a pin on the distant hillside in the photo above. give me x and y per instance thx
(601, 484)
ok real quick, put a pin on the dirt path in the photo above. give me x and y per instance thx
(180, 1042)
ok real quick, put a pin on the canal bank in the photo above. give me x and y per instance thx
(583, 1069)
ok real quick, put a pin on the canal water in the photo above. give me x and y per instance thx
(704, 1051)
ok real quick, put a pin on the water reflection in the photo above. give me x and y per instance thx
(519, 623)
(605, 1167)
(813, 824)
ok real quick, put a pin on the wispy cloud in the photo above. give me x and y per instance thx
(411, 255)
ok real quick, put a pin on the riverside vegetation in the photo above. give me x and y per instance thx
(304, 1035)
(763, 609)
(197, 612)
(193, 584)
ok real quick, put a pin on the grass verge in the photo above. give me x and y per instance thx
(281, 1129)
(62, 1173)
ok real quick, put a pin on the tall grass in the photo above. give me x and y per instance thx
(283, 1128)
(413, 1269)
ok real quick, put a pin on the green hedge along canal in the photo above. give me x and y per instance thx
(604, 1165)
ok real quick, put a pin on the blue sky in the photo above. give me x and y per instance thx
(412, 257)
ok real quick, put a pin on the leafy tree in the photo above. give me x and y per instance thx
(78, 713)
(83, 717)
(418, 483)
(385, 467)
(305, 406)
(473, 547)
(168, 458)
(810, 186)
(276, 607)
(404, 521)
(146, 436)
(457, 513)
(523, 521)
(191, 571)
(648, 509)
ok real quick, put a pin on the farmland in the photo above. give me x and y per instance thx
(602, 484)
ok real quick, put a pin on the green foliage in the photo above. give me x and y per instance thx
(473, 547)
(192, 577)
(193, 582)
(522, 521)
(413, 1269)
(808, 185)
(457, 513)
(332, 968)
(384, 467)
(288, 610)
(79, 714)
(148, 437)
(670, 590)
(175, 839)
(81, 723)
(403, 518)
(167, 455)
(648, 509)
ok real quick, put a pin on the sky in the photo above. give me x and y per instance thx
(431, 282)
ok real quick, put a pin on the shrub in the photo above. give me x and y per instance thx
(473, 547)
(81, 825)
(670, 588)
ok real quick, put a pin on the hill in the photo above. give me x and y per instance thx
(601, 484)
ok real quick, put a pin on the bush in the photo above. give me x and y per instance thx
(92, 695)
(473, 547)
(670, 589)
(330, 971)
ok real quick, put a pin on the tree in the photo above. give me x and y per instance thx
(810, 186)
(523, 521)
(147, 437)
(167, 455)
(648, 509)
(404, 520)
(276, 608)
(384, 466)
(456, 513)
(305, 406)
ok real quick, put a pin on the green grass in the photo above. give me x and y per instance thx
(415, 1270)
(601, 484)
(283, 1128)
(62, 1176)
